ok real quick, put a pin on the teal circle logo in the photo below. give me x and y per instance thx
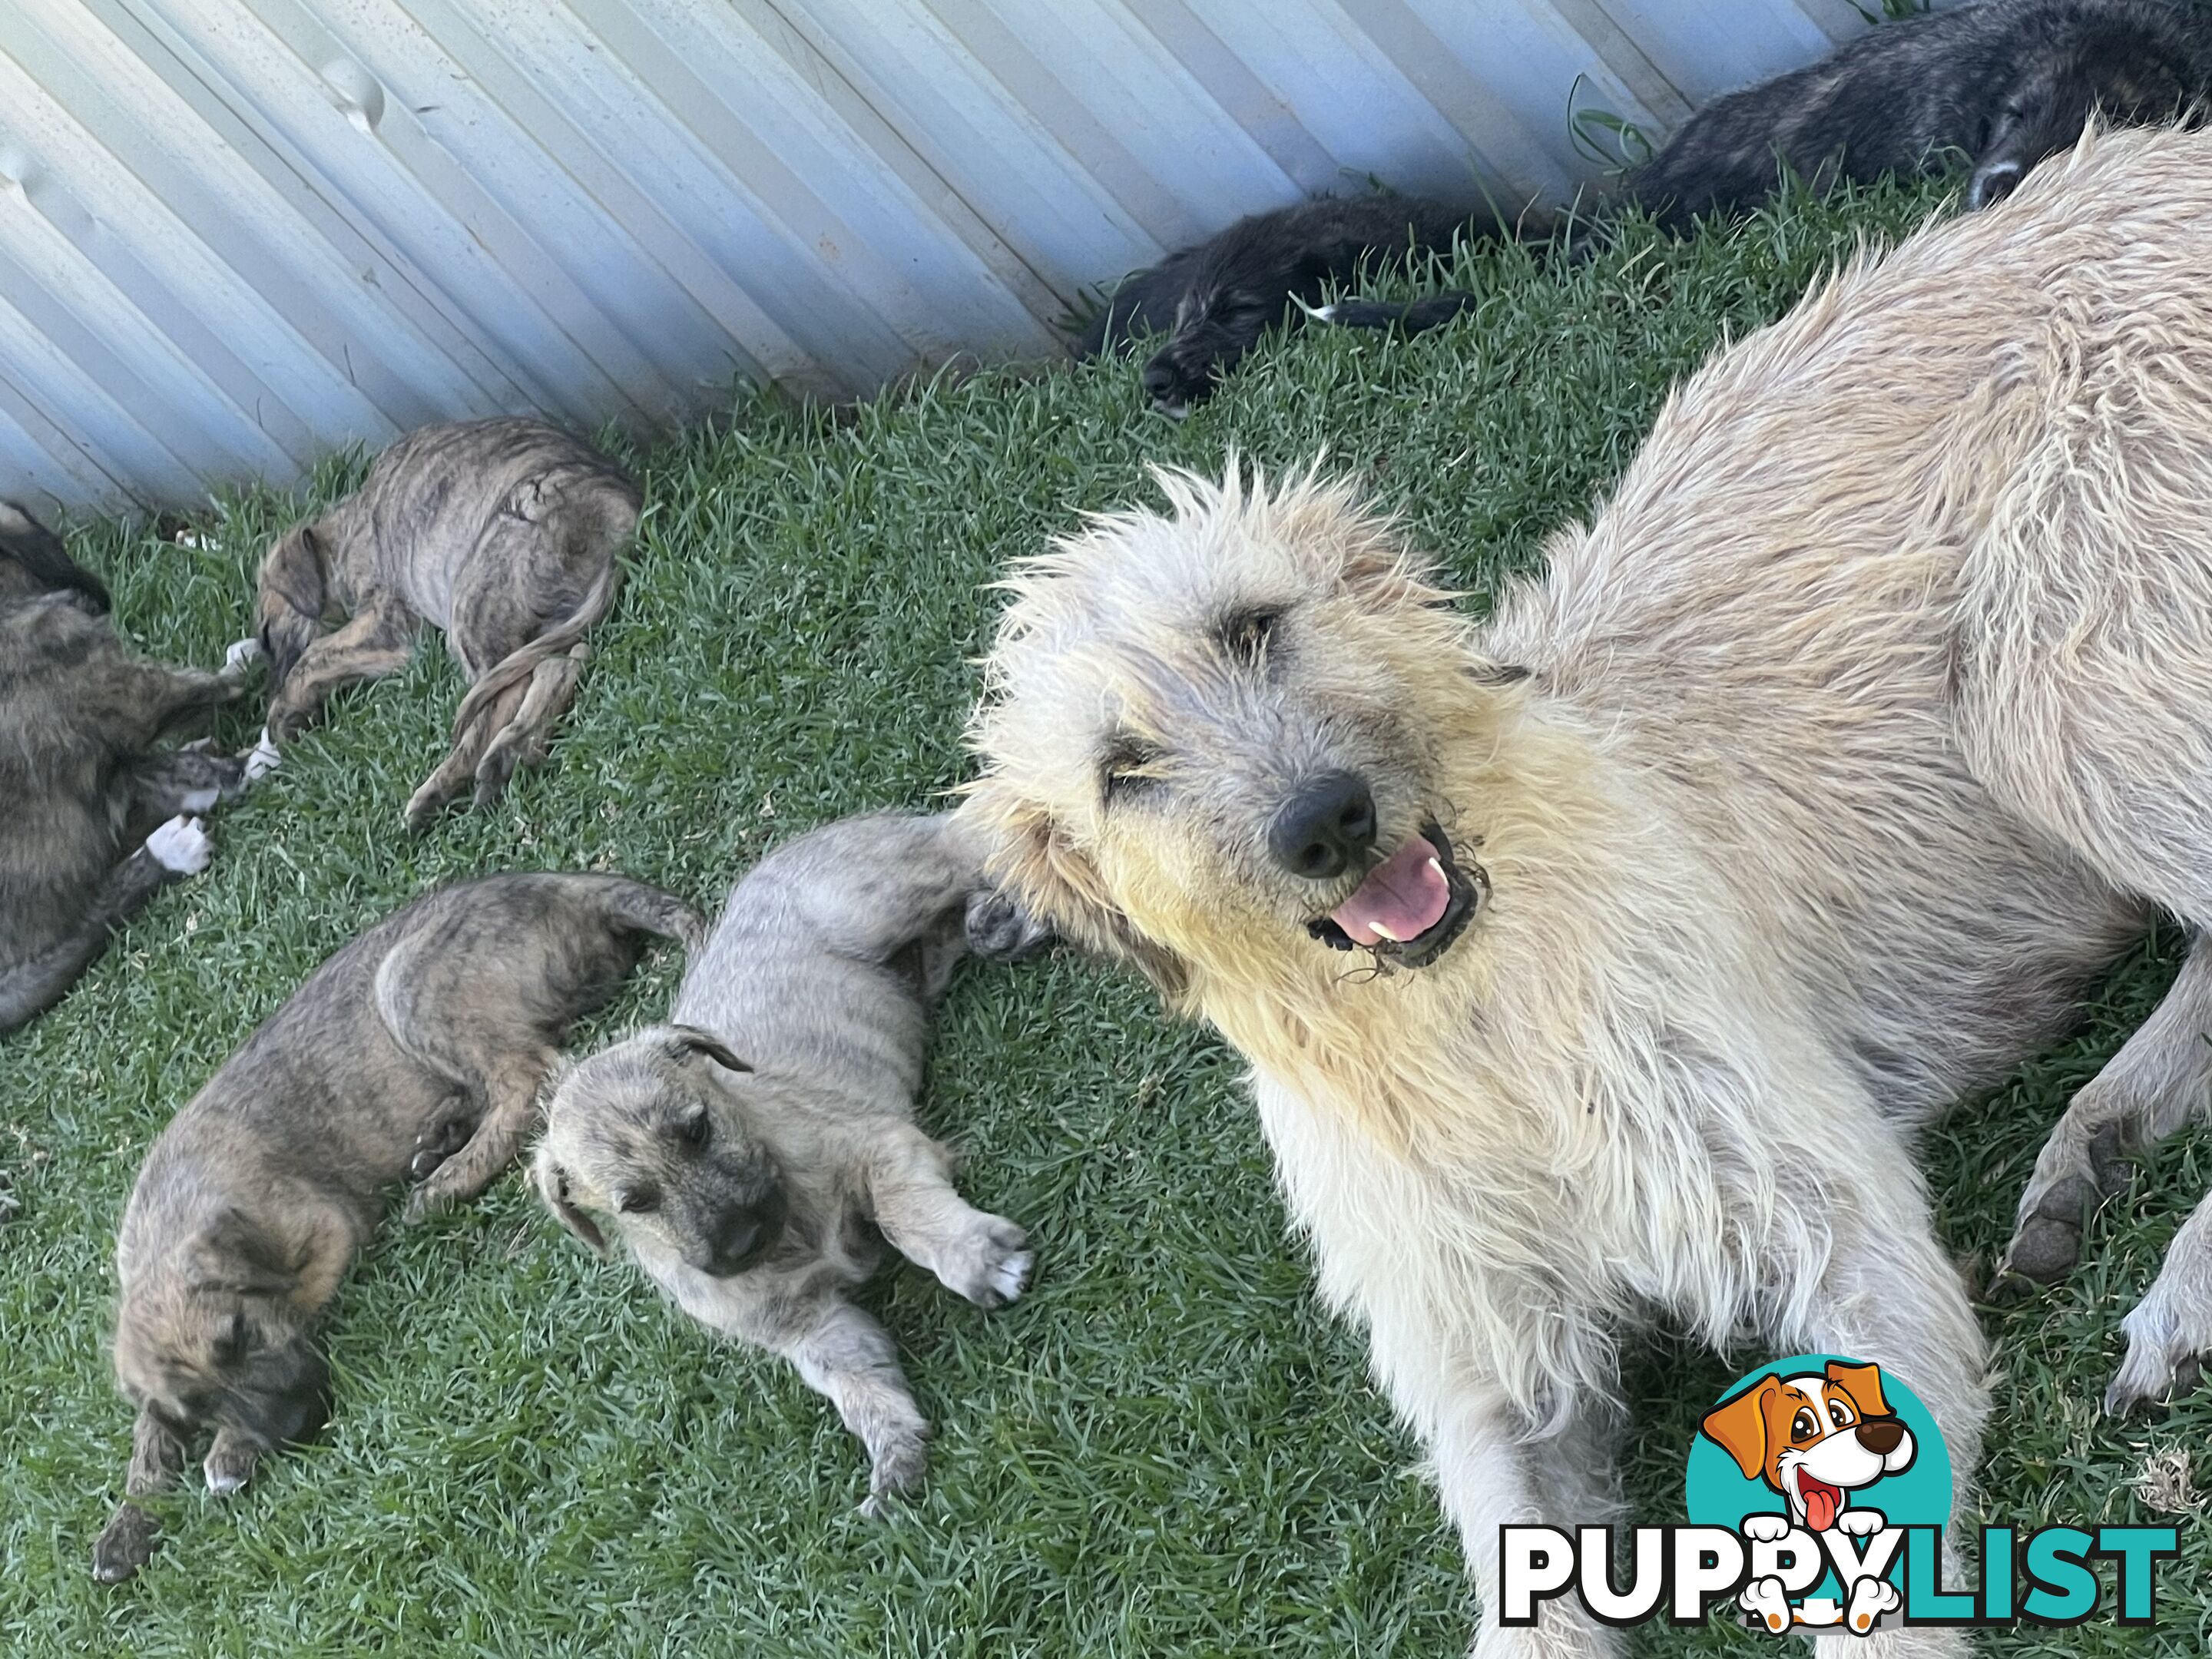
(1754, 1455)
(1822, 1443)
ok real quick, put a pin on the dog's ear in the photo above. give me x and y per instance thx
(293, 591)
(552, 1183)
(232, 1256)
(1040, 871)
(1738, 1426)
(689, 1041)
(1863, 1384)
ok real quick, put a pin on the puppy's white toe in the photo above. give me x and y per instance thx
(241, 655)
(182, 846)
(1766, 1529)
(1861, 1524)
(1011, 1277)
(224, 1484)
(264, 759)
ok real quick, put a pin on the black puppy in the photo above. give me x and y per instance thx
(2001, 85)
(99, 819)
(1214, 301)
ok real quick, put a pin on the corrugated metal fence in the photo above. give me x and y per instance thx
(236, 233)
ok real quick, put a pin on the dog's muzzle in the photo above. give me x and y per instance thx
(1413, 906)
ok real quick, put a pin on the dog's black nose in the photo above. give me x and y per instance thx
(1329, 823)
(1162, 383)
(1880, 1435)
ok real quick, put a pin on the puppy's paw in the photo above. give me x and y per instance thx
(992, 1265)
(898, 1469)
(230, 1464)
(262, 759)
(438, 1143)
(126, 1545)
(1763, 1599)
(1766, 1529)
(182, 846)
(999, 930)
(1871, 1599)
(240, 657)
(1861, 1524)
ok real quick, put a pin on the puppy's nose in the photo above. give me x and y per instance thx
(1880, 1435)
(1324, 827)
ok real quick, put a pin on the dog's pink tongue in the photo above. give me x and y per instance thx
(1821, 1502)
(1404, 897)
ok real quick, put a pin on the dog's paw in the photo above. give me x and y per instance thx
(262, 759)
(1764, 1601)
(2162, 1354)
(991, 1266)
(1871, 1598)
(240, 657)
(182, 846)
(1766, 1529)
(126, 1545)
(230, 1464)
(1861, 1524)
(439, 1142)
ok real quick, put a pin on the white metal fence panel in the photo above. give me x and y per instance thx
(237, 234)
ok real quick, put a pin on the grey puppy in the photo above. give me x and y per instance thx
(743, 1152)
(99, 818)
(416, 1050)
(504, 533)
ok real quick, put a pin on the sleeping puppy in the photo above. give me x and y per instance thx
(416, 1050)
(2002, 85)
(99, 819)
(748, 1153)
(506, 534)
(1214, 301)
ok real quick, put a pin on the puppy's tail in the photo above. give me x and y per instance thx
(39, 551)
(648, 910)
(518, 665)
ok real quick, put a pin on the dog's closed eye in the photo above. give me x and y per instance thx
(1128, 763)
(695, 1128)
(638, 1200)
(1246, 634)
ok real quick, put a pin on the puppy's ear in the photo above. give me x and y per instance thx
(687, 1041)
(232, 1256)
(552, 1183)
(1863, 1384)
(293, 593)
(1738, 1426)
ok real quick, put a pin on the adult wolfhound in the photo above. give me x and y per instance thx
(1594, 964)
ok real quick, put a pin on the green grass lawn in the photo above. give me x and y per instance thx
(1164, 1449)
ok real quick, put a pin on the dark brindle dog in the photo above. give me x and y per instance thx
(2002, 85)
(98, 818)
(504, 533)
(1215, 301)
(417, 1049)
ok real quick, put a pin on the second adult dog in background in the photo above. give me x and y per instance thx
(2000, 86)
(743, 1151)
(1215, 299)
(98, 817)
(506, 534)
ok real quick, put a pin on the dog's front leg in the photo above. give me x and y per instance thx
(2172, 1326)
(848, 1359)
(1890, 1297)
(983, 1257)
(156, 1458)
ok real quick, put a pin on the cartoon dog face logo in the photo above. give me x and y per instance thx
(1815, 1437)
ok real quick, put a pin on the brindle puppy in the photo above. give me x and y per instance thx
(417, 1049)
(746, 1187)
(99, 819)
(504, 533)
